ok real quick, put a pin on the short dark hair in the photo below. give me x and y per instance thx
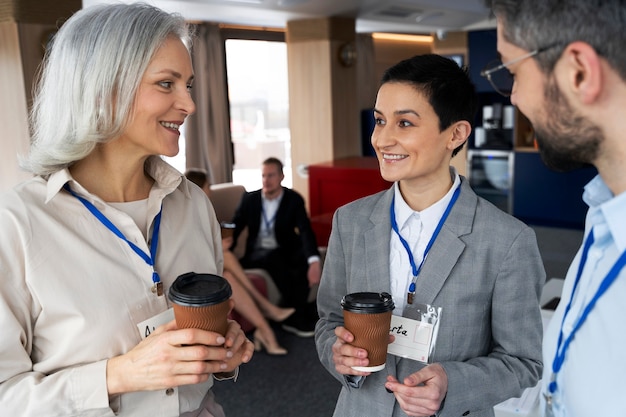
(274, 161)
(446, 86)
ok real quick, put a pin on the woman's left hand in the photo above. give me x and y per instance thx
(422, 392)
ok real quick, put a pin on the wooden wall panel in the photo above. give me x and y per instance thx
(15, 136)
(346, 123)
(390, 52)
(23, 24)
(38, 11)
(323, 113)
(310, 109)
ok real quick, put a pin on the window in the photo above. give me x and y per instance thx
(258, 91)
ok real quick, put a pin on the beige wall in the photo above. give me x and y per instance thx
(24, 25)
(390, 52)
(454, 43)
(323, 111)
(15, 137)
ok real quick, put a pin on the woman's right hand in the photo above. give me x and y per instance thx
(169, 357)
(227, 242)
(346, 355)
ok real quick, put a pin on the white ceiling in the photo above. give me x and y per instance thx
(400, 16)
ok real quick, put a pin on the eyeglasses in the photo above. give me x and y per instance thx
(502, 81)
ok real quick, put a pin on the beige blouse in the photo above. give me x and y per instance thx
(72, 293)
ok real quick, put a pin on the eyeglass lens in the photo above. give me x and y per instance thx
(501, 80)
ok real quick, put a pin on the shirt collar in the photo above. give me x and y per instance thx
(430, 214)
(602, 202)
(166, 178)
(403, 211)
(276, 199)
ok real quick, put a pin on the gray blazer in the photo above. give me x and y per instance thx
(486, 273)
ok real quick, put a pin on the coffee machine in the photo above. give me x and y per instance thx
(497, 130)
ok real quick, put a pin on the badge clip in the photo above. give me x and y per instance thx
(157, 288)
(411, 294)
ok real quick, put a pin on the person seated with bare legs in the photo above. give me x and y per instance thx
(281, 241)
(249, 302)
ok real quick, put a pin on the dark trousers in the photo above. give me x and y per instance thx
(289, 273)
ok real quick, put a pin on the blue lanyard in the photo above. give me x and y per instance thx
(561, 347)
(158, 286)
(268, 223)
(394, 225)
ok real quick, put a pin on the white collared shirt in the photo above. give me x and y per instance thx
(592, 379)
(72, 293)
(416, 228)
(267, 237)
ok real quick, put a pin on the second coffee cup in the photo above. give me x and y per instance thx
(201, 301)
(367, 315)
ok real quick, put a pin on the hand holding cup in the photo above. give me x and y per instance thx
(367, 315)
(201, 301)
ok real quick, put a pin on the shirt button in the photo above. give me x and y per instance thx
(169, 391)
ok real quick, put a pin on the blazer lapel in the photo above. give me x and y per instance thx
(440, 261)
(376, 243)
(447, 248)
(257, 206)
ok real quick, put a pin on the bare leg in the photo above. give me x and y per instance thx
(271, 311)
(245, 305)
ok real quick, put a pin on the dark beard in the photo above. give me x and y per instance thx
(567, 140)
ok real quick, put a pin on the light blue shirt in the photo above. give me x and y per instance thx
(267, 237)
(592, 381)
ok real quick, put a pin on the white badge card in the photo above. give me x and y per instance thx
(415, 339)
(147, 326)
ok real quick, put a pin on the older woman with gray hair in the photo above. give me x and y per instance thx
(92, 243)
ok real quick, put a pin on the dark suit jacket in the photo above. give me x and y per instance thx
(486, 273)
(292, 227)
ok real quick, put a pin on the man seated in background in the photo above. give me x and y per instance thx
(249, 302)
(281, 241)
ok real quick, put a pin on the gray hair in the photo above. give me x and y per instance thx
(90, 78)
(533, 24)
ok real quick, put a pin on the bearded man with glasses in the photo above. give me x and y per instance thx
(574, 92)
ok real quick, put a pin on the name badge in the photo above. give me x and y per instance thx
(148, 326)
(415, 339)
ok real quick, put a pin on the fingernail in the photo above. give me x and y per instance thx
(223, 366)
(229, 354)
(221, 340)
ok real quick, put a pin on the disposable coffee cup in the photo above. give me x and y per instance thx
(227, 229)
(367, 315)
(201, 301)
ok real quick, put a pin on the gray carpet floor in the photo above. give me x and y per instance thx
(281, 386)
(557, 247)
